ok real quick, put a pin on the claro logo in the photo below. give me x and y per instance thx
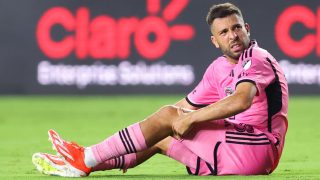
(309, 42)
(104, 37)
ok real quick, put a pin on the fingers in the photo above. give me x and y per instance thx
(177, 137)
(175, 133)
(180, 125)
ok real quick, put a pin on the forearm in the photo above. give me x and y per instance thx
(224, 108)
(236, 103)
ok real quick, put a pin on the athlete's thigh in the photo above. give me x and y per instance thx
(204, 137)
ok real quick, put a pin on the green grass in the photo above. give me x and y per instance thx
(24, 122)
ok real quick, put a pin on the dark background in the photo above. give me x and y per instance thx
(20, 53)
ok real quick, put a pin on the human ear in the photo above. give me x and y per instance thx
(247, 26)
(214, 42)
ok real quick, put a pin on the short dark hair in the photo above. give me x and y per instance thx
(221, 11)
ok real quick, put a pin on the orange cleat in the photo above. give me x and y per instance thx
(71, 152)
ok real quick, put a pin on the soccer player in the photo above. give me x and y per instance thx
(233, 122)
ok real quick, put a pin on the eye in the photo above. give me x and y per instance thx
(238, 26)
(223, 32)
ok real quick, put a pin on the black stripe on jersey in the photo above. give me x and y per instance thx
(249, 139)
(215, 158)
(197, 168)
(123, 142)
(188, 170)
(250, 54)
(210, 168)
(232, 73)
(131, 142)
(247, 143)
(245, 134)
(196, 105)
(274, 96)
(241, 56)
(246, 53)
(245, 80)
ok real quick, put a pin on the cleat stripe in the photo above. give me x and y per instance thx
(124, 144)
(60, 146)
(54, 159)
(132, 144)
(64, 153)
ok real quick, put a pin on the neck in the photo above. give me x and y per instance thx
(231, 60)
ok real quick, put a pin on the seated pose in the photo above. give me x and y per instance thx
(233, 122)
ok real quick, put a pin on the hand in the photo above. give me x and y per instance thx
(183, 124)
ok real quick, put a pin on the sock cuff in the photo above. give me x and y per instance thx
(131, 161)
(96, 154)
(139, 141)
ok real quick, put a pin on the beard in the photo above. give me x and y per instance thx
(229, 53)
(235, 55)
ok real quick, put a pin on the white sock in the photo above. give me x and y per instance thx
(89, 158)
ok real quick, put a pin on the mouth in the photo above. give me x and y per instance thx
(236, 47)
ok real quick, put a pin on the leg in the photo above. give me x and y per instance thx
(133, 139)
(54, 165)
(221, 148)
(169, 147)
(137, 137)
(127, 161)
(159, 125)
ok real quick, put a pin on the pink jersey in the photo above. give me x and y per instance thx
(269, 109)
(268, 112)
(212, 86)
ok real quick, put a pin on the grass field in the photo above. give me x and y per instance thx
(24, 122)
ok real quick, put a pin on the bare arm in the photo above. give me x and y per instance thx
(234, 104)
(183, 103)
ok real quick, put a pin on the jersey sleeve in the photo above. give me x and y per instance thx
(258, 70)
(205, 93)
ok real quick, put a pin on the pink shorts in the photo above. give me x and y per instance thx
(225, 149)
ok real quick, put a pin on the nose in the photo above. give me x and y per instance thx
(233, 35)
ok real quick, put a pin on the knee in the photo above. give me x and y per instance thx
(168, 111)
(167, 114)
